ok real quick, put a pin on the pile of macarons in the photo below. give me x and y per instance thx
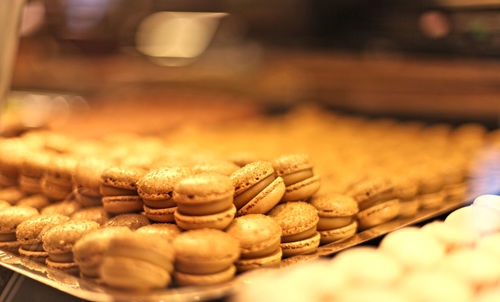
(457, 259)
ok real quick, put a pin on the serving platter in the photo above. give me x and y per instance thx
(89, 290)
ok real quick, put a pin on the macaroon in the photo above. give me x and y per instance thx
(131, 221)
(37, 201)
(32, 170)
(298, 175)
(29, 235)
(337, 216)
(376, 201)
(136, 261)
(204, 201)
(298, 222)
(205, 257)
(257, 188)
(156, 190)
(10, 218)
(89, 250)
(59, 240)
(259, 237)
(451, 237)
(66, 208)
(87, 181)
(405, 189)
(481, 220)
(57, 182)
(118, 186)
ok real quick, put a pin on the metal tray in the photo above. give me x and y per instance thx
(89, 290)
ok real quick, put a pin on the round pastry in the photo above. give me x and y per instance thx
(97, 214)
(66, 208)
(453, 238)
(336, 216)
(378, 214)
(204, 201)
(435, 286)
(156, 190)
(137, 261)
(413, 248)
(167, 231)
(257, 189)
(479, 219)
(59, 240)
(368, 266)
(57, 181)
(11, 195)
(259, 237)
(204, 257)
(88, 251)
(33, 168)
(37, 201)
(10, 218)
(298, 222)
(131, 221)
(119, 189)
(87, 181)
(29, 235)
(297, 173)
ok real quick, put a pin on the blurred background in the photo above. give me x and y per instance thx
(437, 60)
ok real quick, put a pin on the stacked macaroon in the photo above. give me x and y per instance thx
(257, 189)
(29, 234)
(376, 201)
(118, 186)
(259, 237)
(337, 216)
(57, 181)
(32, 170)
(298, 222)
(86, 181)
(58, 243)
(10, 218)
(205, 257)
(156, 190)
(137, 261)
(297, 173)
(204, 201)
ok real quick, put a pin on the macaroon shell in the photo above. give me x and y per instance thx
(302, 190)
(183, 279)
(122, 204)
(378, 214)
(160, 215)
(272, 260)
(306, 246)
(345, 232)
(250, 174)
(265, 200)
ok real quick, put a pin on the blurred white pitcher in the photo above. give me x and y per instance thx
(10, 19)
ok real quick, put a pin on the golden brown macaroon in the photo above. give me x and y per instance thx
(297, 173)
(132, 221)
(204, 257)
(204, 201)
(136, 261)
(57, 181)
(257, 188)
(29, 235)
(167, 231)
(59, 240)
(33, 168)
(337, 216)
(298, 222)
(89, 250)
(118, 186)
(66, 208)
(10, 218)
(87, 179)
(259, 237)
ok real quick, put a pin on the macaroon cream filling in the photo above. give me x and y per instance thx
(244, 197)
(212, 207)
(61, 257)
(113, 191)
(268, 250)
(7, 236)
(296, 177)
(299, 236)
(329, 223)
